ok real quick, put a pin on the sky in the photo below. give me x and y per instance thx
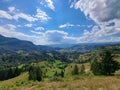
(45, 22)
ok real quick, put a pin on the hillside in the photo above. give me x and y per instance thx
(83, 81)
(87, 47)
(52, 65)
(13, 45)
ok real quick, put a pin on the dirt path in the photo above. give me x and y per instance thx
(30, 88)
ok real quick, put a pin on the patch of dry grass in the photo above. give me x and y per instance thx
(5, 85)
(94, 83)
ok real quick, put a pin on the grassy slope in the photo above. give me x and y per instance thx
(96, 83)
(74, 83)
(4, 85)
(68, 83)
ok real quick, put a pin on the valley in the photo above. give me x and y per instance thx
(60, 68)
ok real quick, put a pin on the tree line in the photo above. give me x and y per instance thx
(9, 73)
(103, 64)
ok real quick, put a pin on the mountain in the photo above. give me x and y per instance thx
(61, 45)
(87, 47)
(13, 45)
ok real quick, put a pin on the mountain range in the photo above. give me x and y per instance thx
(13, 45)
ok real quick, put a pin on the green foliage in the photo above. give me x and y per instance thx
(104, 65)
(75, 70)
(35, 73)
(82, 69)
(9, 73)
(62, 73)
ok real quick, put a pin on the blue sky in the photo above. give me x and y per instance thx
(61, 21)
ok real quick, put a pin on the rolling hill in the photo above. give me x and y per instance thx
(13, 45)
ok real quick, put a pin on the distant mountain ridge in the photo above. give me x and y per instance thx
(13, 45)
(62, 45)
(87, 47)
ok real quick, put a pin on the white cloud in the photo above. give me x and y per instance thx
(15, 14)
(47, 4)
(39, 28)
(28, 25)
(40, 38)
(99, 10)
(35, 32)
(4, 14)
(100, 34)
(58, 37)
(41, 15)
(50, 4)
(24, 16)
(11, 27)
(11, 9)
(103, 12)
(35, 39)
(68, 25)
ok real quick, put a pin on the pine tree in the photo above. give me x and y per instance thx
(35, 73)
(106, 66)
(82, 69)
(62, 73)
(38, 74)
(75, 70)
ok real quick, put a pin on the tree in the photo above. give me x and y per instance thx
(105, 66)
(82, 69)
(75, 70)
(62, 73)
(38, 74)
(8, 73)
(35, 73)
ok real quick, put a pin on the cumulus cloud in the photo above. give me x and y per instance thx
(103, 34)
(41, 15)
(39, 28)
(58, 37)
(10, 26)
(4, 14)
(99, 10)
(50, 4)
(37, 32)
(40, 38)
(28, 25)
(25, 17)
(103, 12)
(15, 14)
(55, 36)
(11, 9)
(35, 39)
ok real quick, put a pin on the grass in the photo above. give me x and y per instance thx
(93, 83)
(50, 68)
(85, 81)
(17, 81)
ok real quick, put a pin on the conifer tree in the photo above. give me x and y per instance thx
(105, 66)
